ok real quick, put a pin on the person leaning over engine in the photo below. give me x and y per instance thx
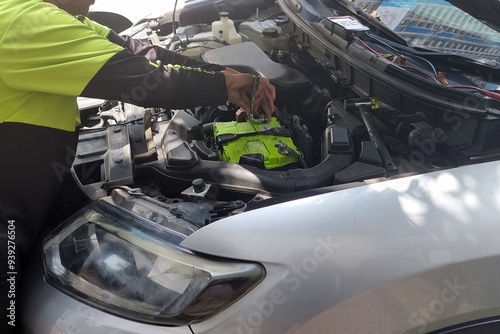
(50, 53)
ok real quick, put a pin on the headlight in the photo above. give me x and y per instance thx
(129, 266)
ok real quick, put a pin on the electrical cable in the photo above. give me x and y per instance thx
(484, 92)
(138, 119)
(174, 26)
(421, 72)
(399, 51)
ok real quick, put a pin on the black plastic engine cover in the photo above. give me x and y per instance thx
(178, 154)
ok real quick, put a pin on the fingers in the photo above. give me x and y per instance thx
(264, 82)
(265, 101)
(264, 98)
(240, 88)
(237, 88)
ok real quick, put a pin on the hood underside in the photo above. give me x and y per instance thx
(487, 11)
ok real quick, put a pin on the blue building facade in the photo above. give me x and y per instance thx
(437, 25)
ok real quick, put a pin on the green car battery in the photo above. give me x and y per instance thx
(240, 140)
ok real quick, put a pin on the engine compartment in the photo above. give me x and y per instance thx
(343, 121)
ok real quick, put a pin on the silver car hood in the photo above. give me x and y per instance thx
(424, 228)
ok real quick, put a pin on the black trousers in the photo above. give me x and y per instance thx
(34, 161)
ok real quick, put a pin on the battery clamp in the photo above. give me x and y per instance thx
(345, 27)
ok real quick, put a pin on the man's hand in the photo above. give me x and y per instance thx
(239, 91)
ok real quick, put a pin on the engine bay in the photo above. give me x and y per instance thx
(346, 117)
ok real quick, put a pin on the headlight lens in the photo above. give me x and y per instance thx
(132, 267)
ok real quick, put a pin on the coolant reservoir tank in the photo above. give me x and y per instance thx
(225, 29)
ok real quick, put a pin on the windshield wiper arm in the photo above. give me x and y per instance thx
(456, 59)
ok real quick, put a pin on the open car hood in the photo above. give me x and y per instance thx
(488, 11)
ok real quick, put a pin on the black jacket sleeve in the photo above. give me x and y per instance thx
(134, 79)
(150, 76)
(154, 53)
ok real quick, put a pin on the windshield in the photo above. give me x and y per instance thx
(436, 25)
